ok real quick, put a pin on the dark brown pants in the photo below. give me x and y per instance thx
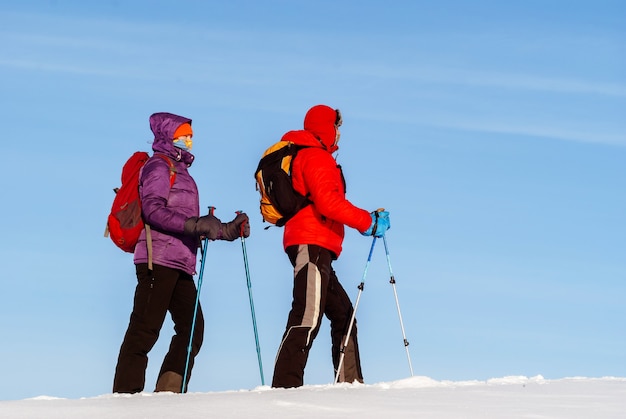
(158, 291)
(316, 292)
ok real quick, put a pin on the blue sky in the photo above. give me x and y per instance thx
(493, 133)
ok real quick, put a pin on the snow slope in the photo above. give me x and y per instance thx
(416, 397)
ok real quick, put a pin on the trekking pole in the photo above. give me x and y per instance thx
(256, 333)
(356, 305)
(203, 251)
(392, 281)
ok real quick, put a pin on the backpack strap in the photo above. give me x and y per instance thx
(149, 246)
(297, 148)
(172, 168)
(147, 226)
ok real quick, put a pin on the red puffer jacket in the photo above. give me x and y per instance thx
(315, 173)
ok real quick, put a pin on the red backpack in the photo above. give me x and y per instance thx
(124, 224)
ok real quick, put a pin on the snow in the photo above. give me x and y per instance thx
(415, 397)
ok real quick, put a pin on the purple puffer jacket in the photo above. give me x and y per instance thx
(166, 209)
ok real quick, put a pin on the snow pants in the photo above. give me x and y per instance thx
(159, 291)
(316, 292)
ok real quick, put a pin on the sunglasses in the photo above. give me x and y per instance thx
(338, 120)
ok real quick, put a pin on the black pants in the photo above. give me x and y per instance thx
(316, 292)
(158, 291)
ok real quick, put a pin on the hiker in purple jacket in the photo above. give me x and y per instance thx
(170, 248)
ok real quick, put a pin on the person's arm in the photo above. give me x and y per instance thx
(154, 192)
(322, 180)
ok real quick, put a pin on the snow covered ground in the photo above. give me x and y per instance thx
(416, 397)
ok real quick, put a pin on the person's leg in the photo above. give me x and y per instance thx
(152, 296)
(311, 270)
(338, 309)
(181, 308)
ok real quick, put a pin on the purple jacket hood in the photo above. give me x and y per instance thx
(163, 126)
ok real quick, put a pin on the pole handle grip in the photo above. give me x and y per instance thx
(241, 229)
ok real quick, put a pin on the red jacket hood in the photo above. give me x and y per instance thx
(319, 122)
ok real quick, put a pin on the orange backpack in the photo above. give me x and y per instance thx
(279, 201)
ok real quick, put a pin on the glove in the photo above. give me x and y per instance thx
(206, 226)
(239, 227)
(380, 224)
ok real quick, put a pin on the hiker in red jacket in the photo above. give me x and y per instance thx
(312, 240)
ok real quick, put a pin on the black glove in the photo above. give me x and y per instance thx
(239, 227)
(205, 226)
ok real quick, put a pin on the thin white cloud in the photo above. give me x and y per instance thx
(539, 83)
(562, 130)
(43, 65)
(584, 135)
(501, 80)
